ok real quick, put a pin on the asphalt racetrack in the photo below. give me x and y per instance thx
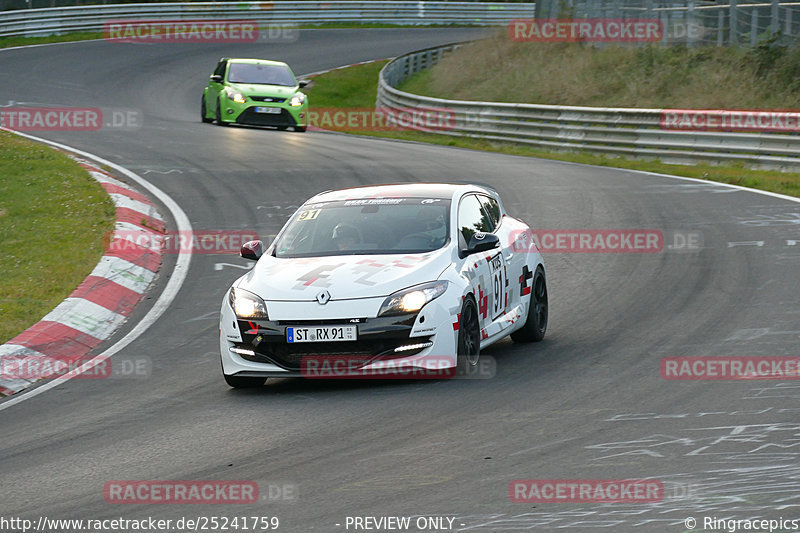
(587, 403)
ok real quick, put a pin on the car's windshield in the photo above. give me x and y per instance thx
(367, 226)
(261, 74)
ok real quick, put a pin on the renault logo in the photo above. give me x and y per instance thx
(323, 297)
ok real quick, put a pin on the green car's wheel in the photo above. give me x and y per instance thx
(300, 128)
(219, 116)
(203, 116)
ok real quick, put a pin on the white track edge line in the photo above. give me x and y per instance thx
(166, 298)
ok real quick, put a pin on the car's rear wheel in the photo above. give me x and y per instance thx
(300, 128)
(203, 116)
(244, 382)
(469, 336)
(219, 116)
(536, 324)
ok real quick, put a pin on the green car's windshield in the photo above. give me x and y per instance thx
(261, 74)
(366, 226)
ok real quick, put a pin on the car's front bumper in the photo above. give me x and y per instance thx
(246, 113)
(421, 340)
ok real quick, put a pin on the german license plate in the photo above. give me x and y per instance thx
(321, 334)
(268, 110)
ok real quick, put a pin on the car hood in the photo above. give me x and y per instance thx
(343, 276)
(264, 90)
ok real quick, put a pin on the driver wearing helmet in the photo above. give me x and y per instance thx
(345, 236)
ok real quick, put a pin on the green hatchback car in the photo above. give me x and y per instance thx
(256, 92)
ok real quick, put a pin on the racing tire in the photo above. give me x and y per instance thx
(536, 323)
(244, 382)
(203, 116)
(301, 129)
(469, 337)
(219, 116)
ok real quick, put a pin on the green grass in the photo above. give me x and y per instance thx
(54, 224)
(705, 77)
(9, 42)
(356, 87)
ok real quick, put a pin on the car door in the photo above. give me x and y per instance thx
(214, 87)
(512, 262)
(485, 270)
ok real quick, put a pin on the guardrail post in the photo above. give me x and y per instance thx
(733, 23)
(773, 18)
(788, 30)
(754, 27)
(690, 38)
(720, 28)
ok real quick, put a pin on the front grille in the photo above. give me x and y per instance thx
(267, 99)
(290, 356)
(377, 338)
(249, 116)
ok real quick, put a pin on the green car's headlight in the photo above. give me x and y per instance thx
(297, 100)
(412, 299)
(237, 97)
(247, 305)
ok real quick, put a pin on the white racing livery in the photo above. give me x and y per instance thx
(384, 276)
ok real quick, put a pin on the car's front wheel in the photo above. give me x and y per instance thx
(203, 116)
(469, 336)
(244, 382)
(219, 116)
(536, 324)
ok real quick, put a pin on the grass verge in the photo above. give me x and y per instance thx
(54, 222)
(356, 87)
(497, 69)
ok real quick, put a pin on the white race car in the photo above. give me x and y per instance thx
(389, 275)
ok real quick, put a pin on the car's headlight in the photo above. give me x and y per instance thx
(412, 299)
(247, 305)
(237, 97)
(297, 100)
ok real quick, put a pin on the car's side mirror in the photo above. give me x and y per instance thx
(216, 78)
(252, 250)
(303, 83)
(480, 242)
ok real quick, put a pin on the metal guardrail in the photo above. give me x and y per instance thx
(613, 131)
(693, 22)
(33, 22)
